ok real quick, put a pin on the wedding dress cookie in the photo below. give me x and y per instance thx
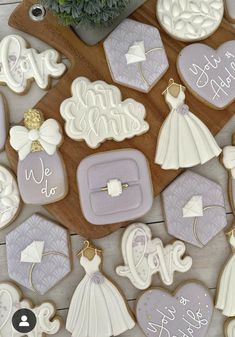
(190, 20)
(96, 112)
(41, 172)
(226, 293)
(144, 257)
(97, 308)
(4, 125)
(9, 197)
(188, 312)
(230, 10)
(36, 260)
(19, 65)
(20, 318)
(184, 140)
(208, 73)
(228, 160)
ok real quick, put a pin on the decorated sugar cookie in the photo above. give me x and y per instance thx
(41, 252)
(190, 20)
(139, 60)
(208, 73)
(184, 140)
(228, 160)
(41, 172)
(20, 318)
(187, 312)
(144, 257)
(194, 209)
(9, 197)
(19, 65)
(97, 308)
(229, 328)
(4, 124)
(96, 112)
(225, 292)
(230, 10)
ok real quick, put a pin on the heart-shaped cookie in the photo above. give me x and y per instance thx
(186, 313)
(209, 73)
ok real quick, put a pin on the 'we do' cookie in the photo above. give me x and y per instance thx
(19, 65)
(41, 172)
(187, 312)
(209, 73)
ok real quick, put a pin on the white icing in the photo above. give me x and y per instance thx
(144, 257)
(230, 328)
(184, 141)
(9, 197)
(190, 20)
(10, 302)
(194, 207)
(19, 64)
(229, 159)
(3, 124)
(42, 178)
(114, 187)
(33, 252)
(95, 112)
(49, 136)
(136, 53)
(221, 83)
(97, 309)
(226, 291)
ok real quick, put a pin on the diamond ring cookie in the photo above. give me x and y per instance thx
(186, 312)
(114, 186)
(194, 208)
(192, 20)
(136, 55)
(20, 318)
(19, 65)
(208, 73)
(96, 113)
(229, 328)
(144, 257)
(9, 197)
(41, 173)
(40, 256)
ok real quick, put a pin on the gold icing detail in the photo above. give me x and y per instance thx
(33, 119)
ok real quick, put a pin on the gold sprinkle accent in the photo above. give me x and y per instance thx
(36, 146)
(33, 119)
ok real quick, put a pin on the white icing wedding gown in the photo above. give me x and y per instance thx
(97, 308)
(184, 140)
(226, 293)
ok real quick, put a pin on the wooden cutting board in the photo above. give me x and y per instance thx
(90, 62)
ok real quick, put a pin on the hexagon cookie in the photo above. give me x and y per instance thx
(194, 208)
(38, 254)
(136, 55)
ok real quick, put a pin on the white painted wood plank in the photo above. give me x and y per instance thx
(9, 2)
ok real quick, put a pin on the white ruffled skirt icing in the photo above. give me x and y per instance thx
(226, 294)
(184, 141)
(98, 310)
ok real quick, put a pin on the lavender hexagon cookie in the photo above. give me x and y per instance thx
(38, 254)
(194, 208)
(136, 55)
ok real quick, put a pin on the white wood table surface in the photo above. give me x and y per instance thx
(207, 262)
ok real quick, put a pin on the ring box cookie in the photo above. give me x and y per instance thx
(194, 208)
(136, 55)
(114, 186)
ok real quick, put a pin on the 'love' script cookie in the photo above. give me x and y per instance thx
(187, 313)
(209, 73)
